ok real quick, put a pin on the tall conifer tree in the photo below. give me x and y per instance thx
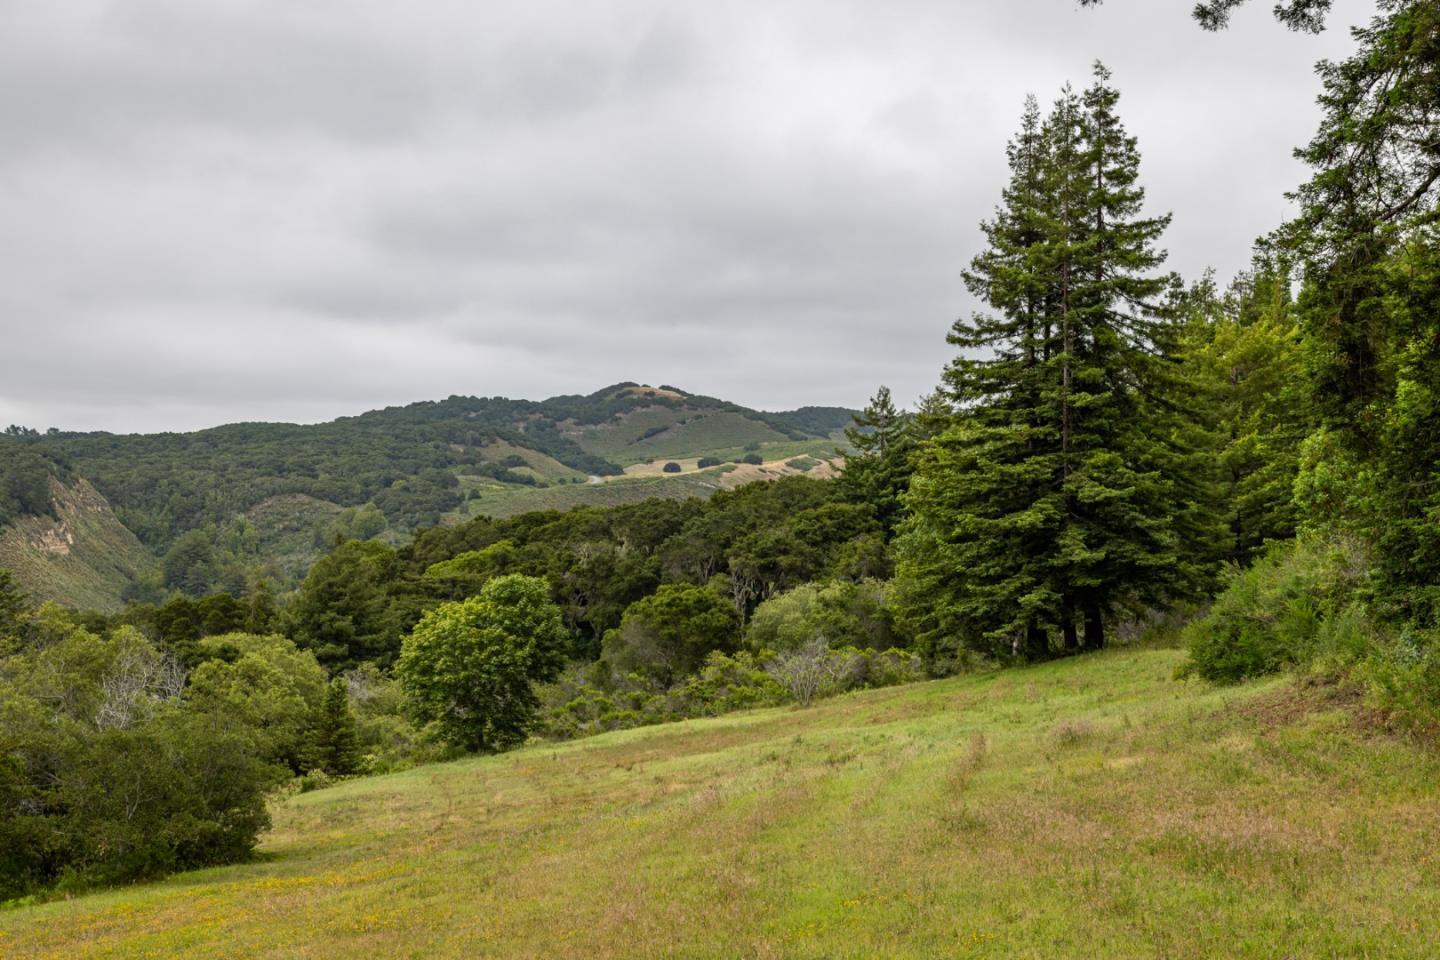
(878, 469)
(1052, 502)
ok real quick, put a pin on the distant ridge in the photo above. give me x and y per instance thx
(266, 498)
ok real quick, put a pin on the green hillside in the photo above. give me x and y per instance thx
(271, 497)
(405, 460)
(1087, 808)
(82, 556)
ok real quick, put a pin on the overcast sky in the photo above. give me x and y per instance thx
(299, 209)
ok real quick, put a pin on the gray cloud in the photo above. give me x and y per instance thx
(261, 210)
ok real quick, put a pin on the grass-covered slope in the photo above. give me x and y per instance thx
(1091, 808)
(82, 556)
(640, 482)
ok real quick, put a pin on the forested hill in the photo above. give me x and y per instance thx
(218, 507)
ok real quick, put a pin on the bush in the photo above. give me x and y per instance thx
(1284, 610)
(808, 671)
(725, 684)
(706, 462)
(1403, 678)
(107, 775)
(816, 670)
(388, 739)
(752, 458)
(590, 699)
(847, 614)
(671, 467)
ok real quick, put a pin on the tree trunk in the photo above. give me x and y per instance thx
(1094, 626)
(1037, 643)
(1067, 625)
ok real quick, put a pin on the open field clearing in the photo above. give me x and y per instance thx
(1091, 808)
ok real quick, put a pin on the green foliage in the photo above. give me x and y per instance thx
(1059, 494)
(668, 635)
(335, 748)
(879, 465)
(387, 738)
(1275, 613)
(1365, 239)
(13, 603)
(589, 699)
(706, 462)
(106, 774)
(469, 667)
(844, 614)
(752, 458)
(267, 686)
(671, 467)
(345, 611)
(190, 565)
(25, 479)
(1243, 358)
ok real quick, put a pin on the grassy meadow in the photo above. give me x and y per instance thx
(1088, 808)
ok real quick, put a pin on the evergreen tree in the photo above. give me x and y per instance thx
(1056, 497)
(1244, 363)
(932, 415)
(878, 469)
(336, 745)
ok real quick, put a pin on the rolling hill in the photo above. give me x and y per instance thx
(270, 497)
(1092, 807)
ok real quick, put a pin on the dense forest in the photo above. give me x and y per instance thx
(1114, 452)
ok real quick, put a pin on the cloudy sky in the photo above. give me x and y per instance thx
(299, 209)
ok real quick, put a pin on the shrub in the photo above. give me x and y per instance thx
(848, 614)
(752, 458)
(106, 774)
(1278, 612)
(706, 462)
(316, 779)
(806, 671)
(671, 467)
(589, 698)
(725, 684)
(388, 739)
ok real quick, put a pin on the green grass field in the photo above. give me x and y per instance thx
(1091, 808)
(494, 499)
(700, 434)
